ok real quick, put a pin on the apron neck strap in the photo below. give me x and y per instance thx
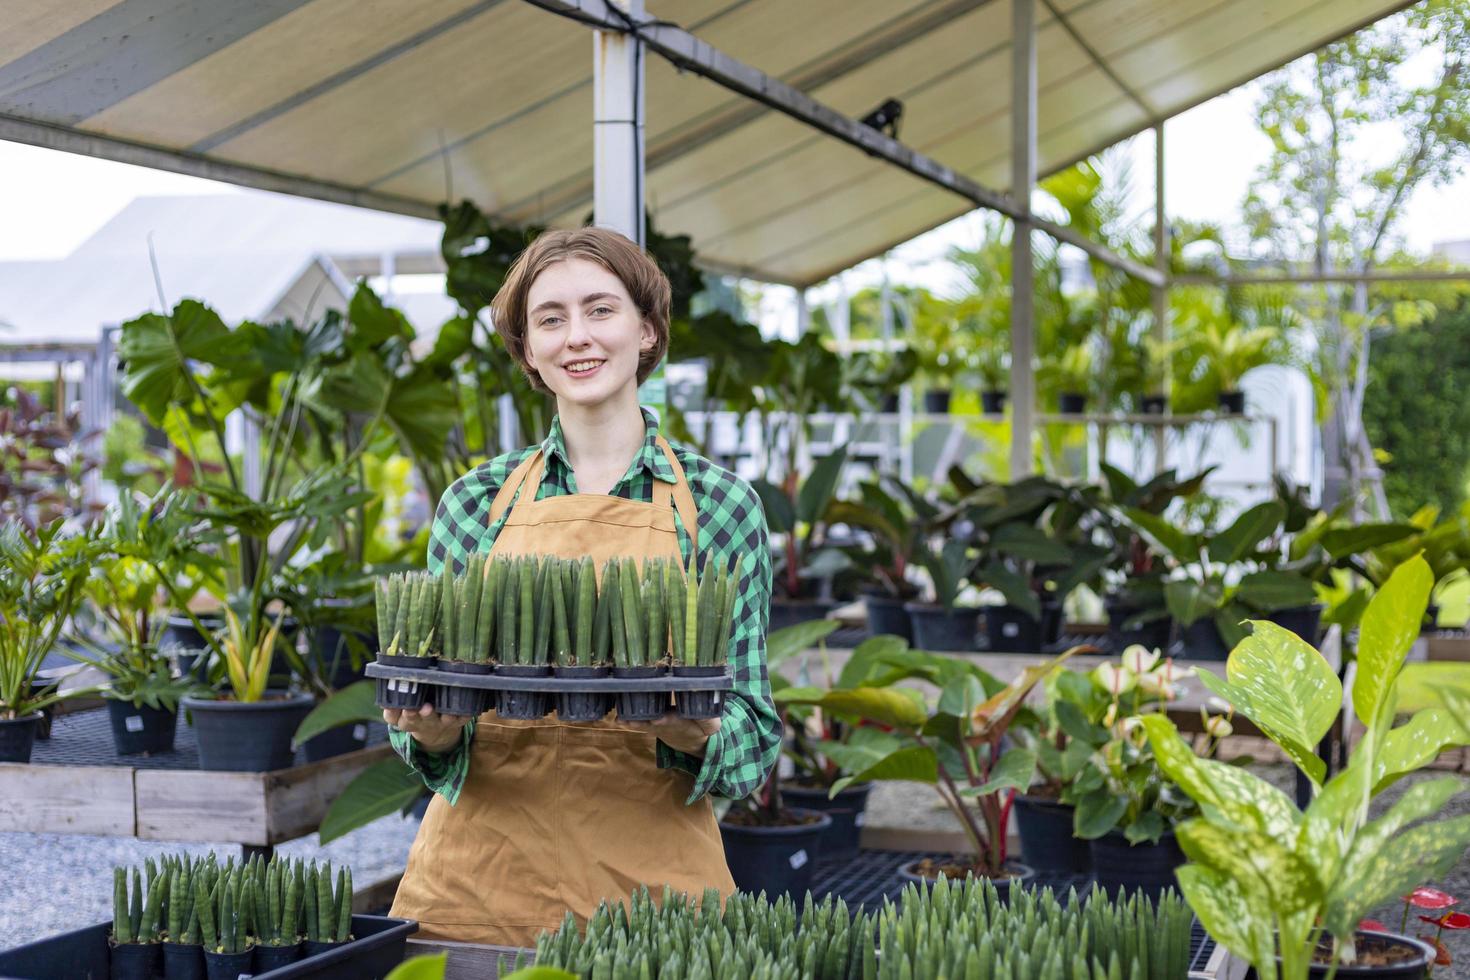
(518, 476)
(682, 497)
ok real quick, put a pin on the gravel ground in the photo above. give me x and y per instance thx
(64, 882)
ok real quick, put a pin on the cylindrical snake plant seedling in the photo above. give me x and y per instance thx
(632, 599)
(525, 643)
(561, 633)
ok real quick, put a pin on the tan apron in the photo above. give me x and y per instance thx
(555, 815)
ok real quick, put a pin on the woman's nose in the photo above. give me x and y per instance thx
(578, 335)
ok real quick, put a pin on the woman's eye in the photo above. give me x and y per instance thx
(601, 310)
(550, 321)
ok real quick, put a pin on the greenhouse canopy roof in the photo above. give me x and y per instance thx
(384, 103)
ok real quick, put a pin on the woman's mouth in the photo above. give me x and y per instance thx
(582, 369)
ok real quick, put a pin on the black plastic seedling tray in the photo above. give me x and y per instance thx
(82, 954)
(554, 685)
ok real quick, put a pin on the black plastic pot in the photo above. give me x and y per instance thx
(847, 808)
(775, 860)
(1072, 403)
(887, 615)
(1019, 875)
(254, 736)
(408, 695)
(936, 401)
(471, 702)
(1413, 969)
(327, 645)
(789, 612)
(1012, 630)
(43, 728)
(1154, 634)
(18, 737)
(1052, 617)
(315, 947)
(890, 403)
(699, 704)
(139, 730)
(1304, 621)
(136, 961)
(377, 947)
(943, 630)
(1120, 866)
(1155, 404)
(1047, 843)
(195, 664)
(275, 957)
(992, 402)
(523, 705)
(183, 961)
(335, 741)
(1202, 641)
(641, 705)
(181, 632)
(1232, 402)
(227, 966)
(576, 706)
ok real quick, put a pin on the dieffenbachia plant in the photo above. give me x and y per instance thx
(1267, 879)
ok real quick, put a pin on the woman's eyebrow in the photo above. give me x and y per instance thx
(553, 304)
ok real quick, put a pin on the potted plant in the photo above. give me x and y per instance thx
(1157, 359)
(1071, 374)
(468, 602)
(328, 912)
(587, 651)
(797, 512)
(525, 622)
(134, 944)
(956, 745)
(41, 576)
(183, 947)
(897, 518)
(277, 892)
(822, 747)
(1043, 822)
(224, 924)
(942, 623)
(701, 620)
(244, 727)
(1229, 351)
(1123, 803)
(408, 606)
(1136, 610)
(1286, 888)
(992, 368)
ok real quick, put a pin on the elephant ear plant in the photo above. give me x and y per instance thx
(1280, 886)
(956, 745)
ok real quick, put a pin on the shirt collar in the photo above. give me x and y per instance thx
(650, 457)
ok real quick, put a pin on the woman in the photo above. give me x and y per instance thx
(531, 819)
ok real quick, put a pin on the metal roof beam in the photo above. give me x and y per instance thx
(691, 54)
(1341, 275)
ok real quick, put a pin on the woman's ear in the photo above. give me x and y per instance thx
(647, 337)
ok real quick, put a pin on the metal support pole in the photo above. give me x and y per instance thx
(1161, 292)
(617, 120)
(1023, 179)
(803, 313)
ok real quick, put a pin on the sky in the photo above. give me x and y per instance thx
(52, 201)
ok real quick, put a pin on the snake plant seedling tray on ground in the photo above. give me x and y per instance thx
(667, 682)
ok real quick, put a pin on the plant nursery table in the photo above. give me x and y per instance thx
(76, 783)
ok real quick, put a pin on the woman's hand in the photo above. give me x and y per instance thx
(434, 732)
(687, 735)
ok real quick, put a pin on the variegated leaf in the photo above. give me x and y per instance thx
(1239, 921)
(1390, 625)
(1416, 743)
(1394, 867)
(1227, 793)
(1255, 861)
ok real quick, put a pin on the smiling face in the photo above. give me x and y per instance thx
(584, 333)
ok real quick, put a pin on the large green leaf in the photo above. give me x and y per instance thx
(785, 643)
(1097, 813)
(780, 512)
(1395, 866)
(354, 704)
(1164, 536)
(900, 707)
(1283, 685)
(1028, 543)
(1013, 770)
(1257, 861)
(1414, 745)
(1236, 917)
(422, 409)
(1247, 532)
(1190, 601)
(1390, 625)
(1270, 590)
(427, 968)
(816, 491)
(373, 322)
(864, 748)
(868, 656)
(379, 790)
(1015, 587)
(157, 352)
(913, 764)
(1236, 796)
(1340, 542)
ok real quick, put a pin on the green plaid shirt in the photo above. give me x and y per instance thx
(732, 525)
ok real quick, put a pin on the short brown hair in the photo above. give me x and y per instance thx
(640, 275)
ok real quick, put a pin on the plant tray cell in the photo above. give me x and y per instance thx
(555, 685)
(873, 876)
(83, 955)
(84, 738)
